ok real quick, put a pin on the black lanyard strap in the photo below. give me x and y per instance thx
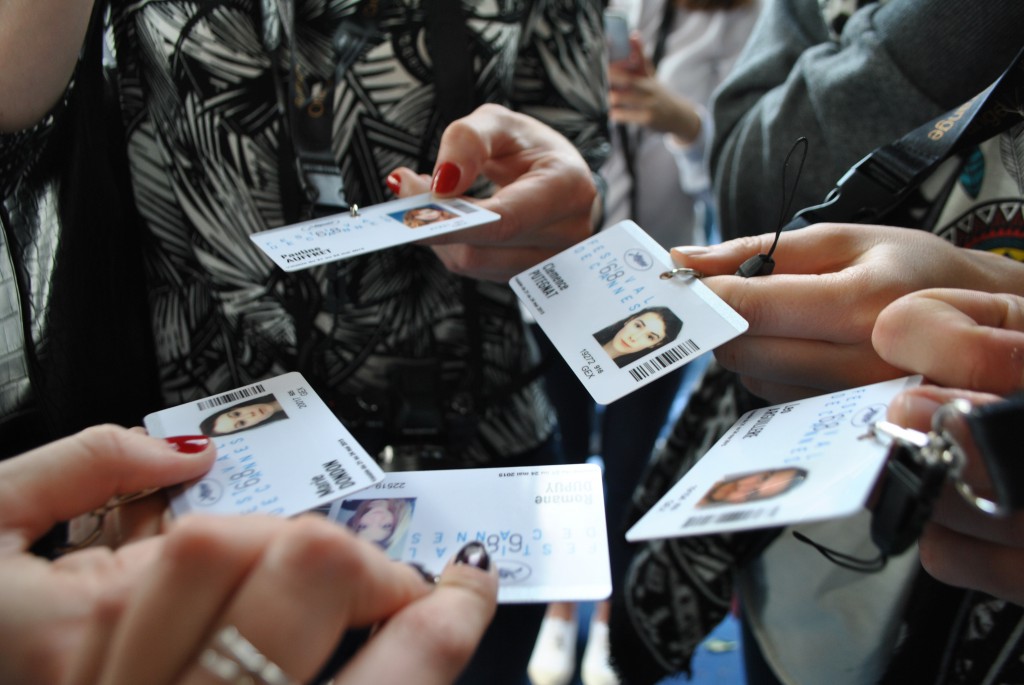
(877, 184)
(309, 97)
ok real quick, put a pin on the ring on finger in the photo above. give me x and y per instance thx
(235, 660)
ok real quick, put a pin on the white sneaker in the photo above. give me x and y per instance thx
(553, 661)
(596, 668)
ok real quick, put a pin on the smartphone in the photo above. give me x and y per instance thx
(616, 33)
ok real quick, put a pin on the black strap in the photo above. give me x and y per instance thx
(878, 183)
(309, 98)
(448, 44)
(996, 431)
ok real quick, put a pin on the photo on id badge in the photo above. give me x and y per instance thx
(639, 334)
(753, 486)
(384, 521)
(242, 416)
(616, 297)
(423, 215)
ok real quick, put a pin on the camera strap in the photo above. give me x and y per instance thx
(879, 182)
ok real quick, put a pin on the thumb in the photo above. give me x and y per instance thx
(77, 474)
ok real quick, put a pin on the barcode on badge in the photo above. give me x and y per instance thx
(463, 207)
(233, 396)
(664, 360)
(728, 517)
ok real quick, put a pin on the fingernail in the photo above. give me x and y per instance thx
(474, 554)
(188, 444)
(427, 575)
(445, 178)
(912, 410)
(394, 182)
(691, 250)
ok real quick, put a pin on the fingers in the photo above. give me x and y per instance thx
(548, 205)
(431, 640)
(75, 475)
(967, 561)
(542, 178)
(913, 408)
(291, 588)
(405, 182)
(957, 338)
(769, 365)
(545, 198)
(174, 611)
(316, 582)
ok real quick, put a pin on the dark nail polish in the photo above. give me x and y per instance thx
(427, 575)
(188, 444)
(394, 182)
(474, 554)
(445, 178)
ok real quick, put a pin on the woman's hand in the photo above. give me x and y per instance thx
(637, 97)
(291, 588)
(811, 321)
(45, 607)
(974, 341)
(147, 611)
(546, 195)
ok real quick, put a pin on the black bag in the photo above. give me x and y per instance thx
(91, 358)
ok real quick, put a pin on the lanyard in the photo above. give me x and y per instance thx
(877, 184)
(309, 97)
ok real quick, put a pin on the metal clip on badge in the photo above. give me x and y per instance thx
(920, 463)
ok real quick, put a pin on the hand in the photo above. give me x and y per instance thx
(45, 607)
(144, 612)
(960, 545)
(638, 97)
(969, 340)
(546, 194)
(956, 338)
(291, 588)
(811, 321)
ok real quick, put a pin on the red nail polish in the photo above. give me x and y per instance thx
(188, 444)
(394, 182)
(445, 178)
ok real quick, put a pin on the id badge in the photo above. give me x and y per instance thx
(348, 234)
(543, 526)
(280, 450)
(796, 462)
(612, 308)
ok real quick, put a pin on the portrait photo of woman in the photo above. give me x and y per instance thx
(421, 216)
(243, 416)
(754, 486)
(639, 334)
(383, 522)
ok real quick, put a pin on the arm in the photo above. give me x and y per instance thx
(39, 45)
(890, 71)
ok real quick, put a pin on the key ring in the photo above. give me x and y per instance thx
(681, 271)
(951, 422)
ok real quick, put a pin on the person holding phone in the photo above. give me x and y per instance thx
(665, 59)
